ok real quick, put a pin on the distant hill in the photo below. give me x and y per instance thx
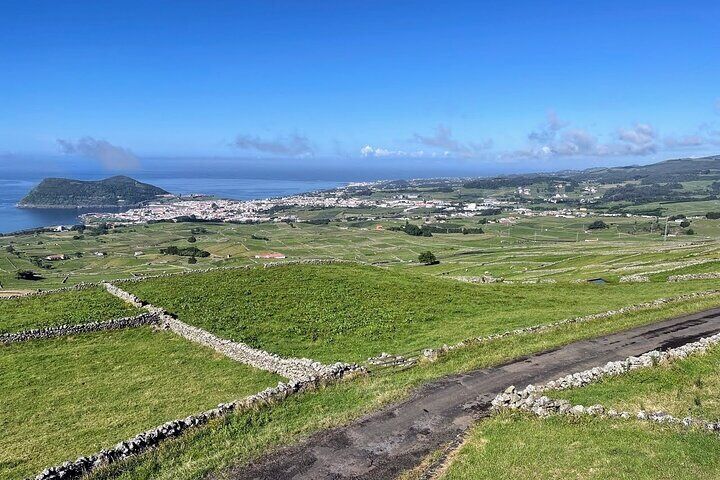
(118, 191)
(668, 171)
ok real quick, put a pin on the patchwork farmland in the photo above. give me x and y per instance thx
(362, 328)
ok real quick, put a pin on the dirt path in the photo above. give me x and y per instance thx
(392, 440)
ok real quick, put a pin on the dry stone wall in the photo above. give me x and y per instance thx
(531, 398)
(293, 368)
(152, 438)
(694, 276)
(63, 330)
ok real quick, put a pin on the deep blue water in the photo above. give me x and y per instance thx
(13, 219)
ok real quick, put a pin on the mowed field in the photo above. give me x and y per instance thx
(71, 307)
(73, 396)
(349, 312)
(528, 249)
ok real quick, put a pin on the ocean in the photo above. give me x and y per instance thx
(13, 219)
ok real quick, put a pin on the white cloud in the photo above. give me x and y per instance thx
(293, 145)
(112, 157)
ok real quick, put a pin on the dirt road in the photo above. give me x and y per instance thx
(392, 440)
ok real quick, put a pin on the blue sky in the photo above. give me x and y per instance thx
(523, 85)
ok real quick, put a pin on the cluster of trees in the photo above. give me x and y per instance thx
(27, 275)
(428, 230)
(184, 251)
(597, 225)
(412, 229)
(643, 193)
(712, 215)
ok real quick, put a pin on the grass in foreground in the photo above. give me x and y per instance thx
(72, 396)
(352, 312)
(71, 307)
(686, 387)
(512, 446)
(240, 438)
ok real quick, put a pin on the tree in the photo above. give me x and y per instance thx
(597, 225)
(685, 223)
(9, 249)
(192, 260)
(27, 275)
(192, 239)
(428, 258)
(690, 231)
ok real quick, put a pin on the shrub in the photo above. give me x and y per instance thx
(192, 260)
(428, 258)
(685, 223)
(27, 275)
(597, 225)
(192, 239)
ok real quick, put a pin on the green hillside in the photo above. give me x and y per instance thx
(115, 191)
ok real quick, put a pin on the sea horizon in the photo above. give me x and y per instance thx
(14, 219)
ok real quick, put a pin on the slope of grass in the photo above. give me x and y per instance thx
(71, 307)
(350, 312)
(72, 396)
(514, 446)
(240, 438)
(686, 387)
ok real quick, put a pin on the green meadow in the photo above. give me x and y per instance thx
(350, 312)
(75, 395)
(72, 307)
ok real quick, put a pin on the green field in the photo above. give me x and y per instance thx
(74, 395)
(350, 312)
(73, 307)
(240, 438)
(513, 446)
(686, 387)
(529, 249)
(329, 313)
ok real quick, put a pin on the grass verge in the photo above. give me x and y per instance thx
(72, 396)
(685, 387)
(513, 445)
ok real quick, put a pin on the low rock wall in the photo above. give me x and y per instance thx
(694, 276)
(433, 353)
(531, 398)
(293, 368)
(152, 438)
(63, 330)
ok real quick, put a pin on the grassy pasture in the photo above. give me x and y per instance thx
(72, 396)
(240, 438)
(687, 387)
(71, 307)
(351, 312)
(513, 446)
(500, 250)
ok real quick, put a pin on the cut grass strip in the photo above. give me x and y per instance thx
(64, 308)
(511, 446)
(72, 396)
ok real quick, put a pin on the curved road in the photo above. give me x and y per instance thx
(387, 442)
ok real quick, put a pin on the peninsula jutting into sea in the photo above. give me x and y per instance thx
(117, 191)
